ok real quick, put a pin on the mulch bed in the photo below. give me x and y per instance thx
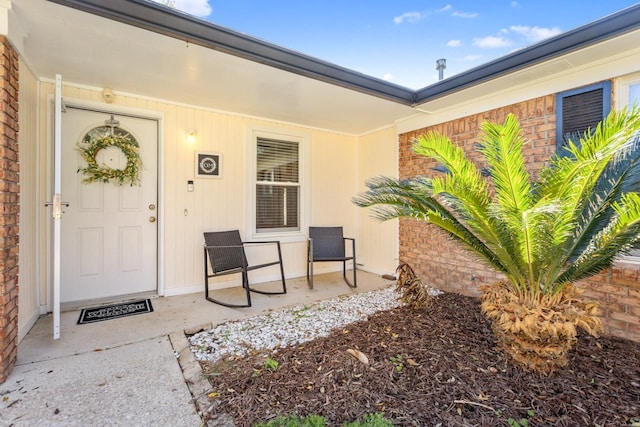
(433, 367)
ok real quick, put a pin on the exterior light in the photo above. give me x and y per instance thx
(191, 136)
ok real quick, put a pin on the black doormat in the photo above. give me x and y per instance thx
(106, 312)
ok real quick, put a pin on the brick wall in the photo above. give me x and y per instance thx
(447, 266)
(618, 291)
(9, 208)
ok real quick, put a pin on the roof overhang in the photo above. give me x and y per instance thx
(142, 48)
(173, 23)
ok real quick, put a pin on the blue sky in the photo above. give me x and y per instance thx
(400, 40)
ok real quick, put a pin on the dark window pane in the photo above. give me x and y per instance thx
(277, 208)
(277, 161)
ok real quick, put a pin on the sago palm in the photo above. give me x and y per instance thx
(574, 221)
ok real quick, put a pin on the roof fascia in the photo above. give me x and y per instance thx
(172, 23)
(608, 27)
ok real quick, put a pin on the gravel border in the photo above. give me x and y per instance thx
(291, 326)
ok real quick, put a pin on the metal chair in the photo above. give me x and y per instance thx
(225, 251)
(327, 244)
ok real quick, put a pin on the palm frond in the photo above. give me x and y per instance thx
(619, 238)
(391, 198)
(501, 145)
(621, 175)
(464, 192)
(574, 179)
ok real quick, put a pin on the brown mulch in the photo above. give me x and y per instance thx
(437, 366)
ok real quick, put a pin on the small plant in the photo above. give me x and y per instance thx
(294, 420)
(398, 362)
(370, 420)
(524, 422)
(271, 364)
(414, 293)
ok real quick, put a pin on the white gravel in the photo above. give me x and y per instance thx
(290, 326)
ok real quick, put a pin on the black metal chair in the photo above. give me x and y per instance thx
(327, 244)
(225, 251)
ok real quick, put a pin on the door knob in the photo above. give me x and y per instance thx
(152, 219)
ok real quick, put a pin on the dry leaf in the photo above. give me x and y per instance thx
(359, 355)
(213, 395)
(412, 362)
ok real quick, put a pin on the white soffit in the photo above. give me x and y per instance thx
(93, 51)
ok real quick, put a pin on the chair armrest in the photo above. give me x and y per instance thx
(261, 242)
(353, 246)
(225, 246)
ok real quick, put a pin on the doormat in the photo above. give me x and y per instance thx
(106, 312)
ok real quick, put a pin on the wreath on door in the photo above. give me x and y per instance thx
(91, 146)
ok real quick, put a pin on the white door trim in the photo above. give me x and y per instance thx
(137, 113)
(56, 206)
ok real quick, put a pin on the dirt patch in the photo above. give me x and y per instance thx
(437, 366)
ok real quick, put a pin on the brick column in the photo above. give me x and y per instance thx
(9, 207)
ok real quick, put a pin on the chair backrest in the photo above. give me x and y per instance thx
(327, 242)
(224, 258)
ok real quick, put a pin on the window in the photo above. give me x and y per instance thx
(279, 185)
(581, 109)
(634, 94)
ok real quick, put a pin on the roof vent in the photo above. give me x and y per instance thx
(441, 64)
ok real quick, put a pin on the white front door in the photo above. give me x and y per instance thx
(109, 231)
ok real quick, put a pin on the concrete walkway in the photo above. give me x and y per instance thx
(124, 372)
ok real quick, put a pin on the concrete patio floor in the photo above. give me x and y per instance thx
(125, 371)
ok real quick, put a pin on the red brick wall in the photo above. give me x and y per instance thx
(618, 291)
(447, 266)
(9, 207)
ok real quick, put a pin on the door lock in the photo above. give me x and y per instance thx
(152, 207)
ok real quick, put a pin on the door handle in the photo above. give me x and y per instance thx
(152, 219)
(57, 205)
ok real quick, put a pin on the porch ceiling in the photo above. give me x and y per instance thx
(90, 50)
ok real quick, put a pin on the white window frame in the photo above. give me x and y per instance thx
(622, 100)
(622, 89)
(304, 169)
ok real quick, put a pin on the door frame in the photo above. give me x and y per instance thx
(116, 110)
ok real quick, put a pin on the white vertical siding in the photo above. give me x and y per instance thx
(29, 203)
(218, 204)
(378, 155)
